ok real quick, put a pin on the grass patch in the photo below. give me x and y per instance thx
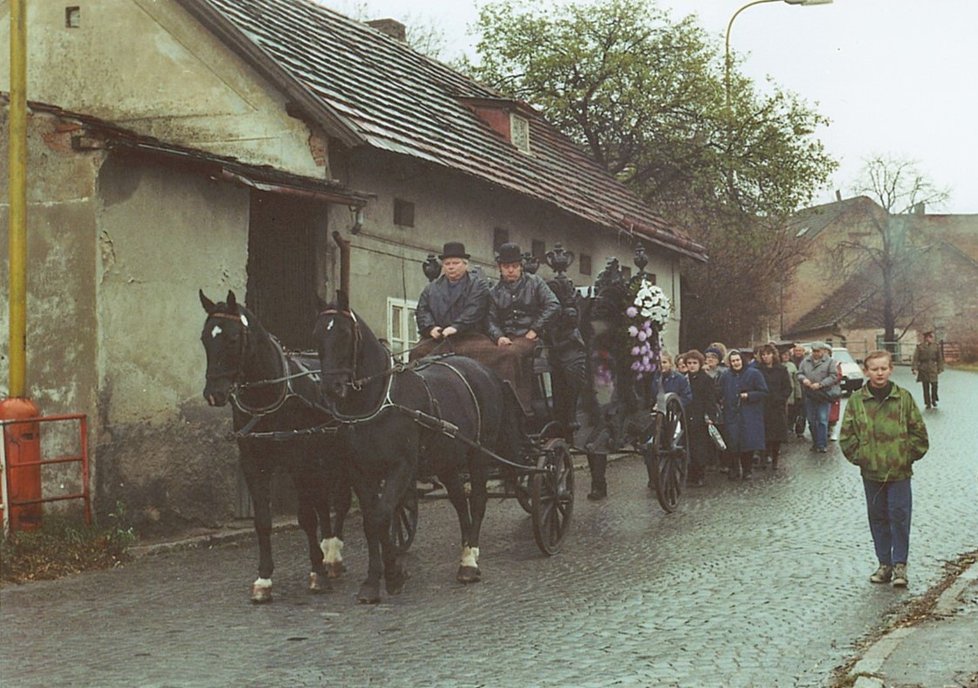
(62, 546)
(970, 367)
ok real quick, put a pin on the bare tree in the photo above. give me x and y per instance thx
(424, 34)
(902, 191)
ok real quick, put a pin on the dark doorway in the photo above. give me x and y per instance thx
(282, 246)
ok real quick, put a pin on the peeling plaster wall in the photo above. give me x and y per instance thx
(61, 341)
(163, 233)
(148, 66)
(386, 258)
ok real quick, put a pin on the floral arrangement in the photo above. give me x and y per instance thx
(646, 316)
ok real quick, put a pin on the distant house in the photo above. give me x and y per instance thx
(238, 144)
(939, 289)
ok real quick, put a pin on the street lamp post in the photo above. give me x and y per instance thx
(726, 58)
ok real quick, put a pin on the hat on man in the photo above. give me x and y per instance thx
(509, 253)
(454, 249)
(713, 351)
(821, 345)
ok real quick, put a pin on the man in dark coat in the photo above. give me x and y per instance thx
(520, 306)
(928, 363)
(452, 310)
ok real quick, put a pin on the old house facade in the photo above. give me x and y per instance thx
(235, 144)
(837, 294)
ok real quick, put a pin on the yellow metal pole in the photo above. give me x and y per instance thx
(17, 218)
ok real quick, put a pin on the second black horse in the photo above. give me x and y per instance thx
(408, 421)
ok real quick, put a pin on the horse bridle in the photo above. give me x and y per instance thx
(238, 375)
(355, 383)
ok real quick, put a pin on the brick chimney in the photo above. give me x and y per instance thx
(391, 27)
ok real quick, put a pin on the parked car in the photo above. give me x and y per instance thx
(852, 372)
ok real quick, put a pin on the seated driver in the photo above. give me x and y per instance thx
(520, 306)
(451, 310)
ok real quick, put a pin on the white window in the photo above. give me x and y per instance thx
(519, 132)
(402, 328)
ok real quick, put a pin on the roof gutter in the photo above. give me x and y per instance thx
(252, 53)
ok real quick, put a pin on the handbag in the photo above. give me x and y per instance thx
(823, 396)
(716, 437)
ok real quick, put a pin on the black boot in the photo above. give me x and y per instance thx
(599, 486)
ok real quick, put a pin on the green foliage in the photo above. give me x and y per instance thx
(62, 546)
(646, 96)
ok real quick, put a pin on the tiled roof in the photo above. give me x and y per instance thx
(808, 223)
(843, 303)
(368, 87)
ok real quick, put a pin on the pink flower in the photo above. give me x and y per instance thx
(633, 331)
(636, 351)
(642, 336)
(631, 311)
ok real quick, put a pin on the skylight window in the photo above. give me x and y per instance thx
(519, 132)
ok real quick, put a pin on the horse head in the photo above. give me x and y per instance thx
(338, 341)
(225, 340)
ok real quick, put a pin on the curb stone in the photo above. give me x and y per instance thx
(865, 673)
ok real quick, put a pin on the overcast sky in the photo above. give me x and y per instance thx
(895, 77)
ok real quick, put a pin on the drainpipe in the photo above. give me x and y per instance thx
(344, 262)
(18, 197)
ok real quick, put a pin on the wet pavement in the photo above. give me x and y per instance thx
(747, 584)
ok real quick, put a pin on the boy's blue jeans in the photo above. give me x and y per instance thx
(889, 506)
(818, 421)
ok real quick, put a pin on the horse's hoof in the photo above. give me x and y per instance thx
(319, 582)
(261, 591)
(335, 569)
(468, 574)
(395, 584)
(369, 594)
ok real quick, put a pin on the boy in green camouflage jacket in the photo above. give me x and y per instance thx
(883, 433)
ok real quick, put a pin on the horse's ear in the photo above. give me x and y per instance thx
(232, 302)
(342, 300)
(205, 302)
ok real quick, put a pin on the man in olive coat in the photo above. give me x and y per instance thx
(928, 363)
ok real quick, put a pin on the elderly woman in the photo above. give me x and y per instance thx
(452, 310)
(742, 392)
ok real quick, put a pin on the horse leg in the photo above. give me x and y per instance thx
(478, 497)
(341, 496)
(468, 569)
(259, 478)
(395, 488)
(370, 588)
(311, 495)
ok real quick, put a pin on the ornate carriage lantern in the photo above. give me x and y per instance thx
(431, 267)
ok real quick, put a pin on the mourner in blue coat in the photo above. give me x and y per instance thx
(742, 392)
(675, 382)
(452, 310)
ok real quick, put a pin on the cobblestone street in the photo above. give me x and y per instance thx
(747, 584)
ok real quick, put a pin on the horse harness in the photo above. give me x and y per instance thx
(431, 421)
(288, 391)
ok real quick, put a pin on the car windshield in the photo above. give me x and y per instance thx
(843, 356)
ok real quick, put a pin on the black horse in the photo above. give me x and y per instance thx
(407, 422)
(278, 425)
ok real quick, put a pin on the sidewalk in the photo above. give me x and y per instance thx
(941, 650)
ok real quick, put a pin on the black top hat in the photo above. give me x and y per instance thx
(509, 253)
(454, 249)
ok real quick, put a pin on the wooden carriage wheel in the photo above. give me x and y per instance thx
(670, 453)
(552, 495)
(404, 522)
